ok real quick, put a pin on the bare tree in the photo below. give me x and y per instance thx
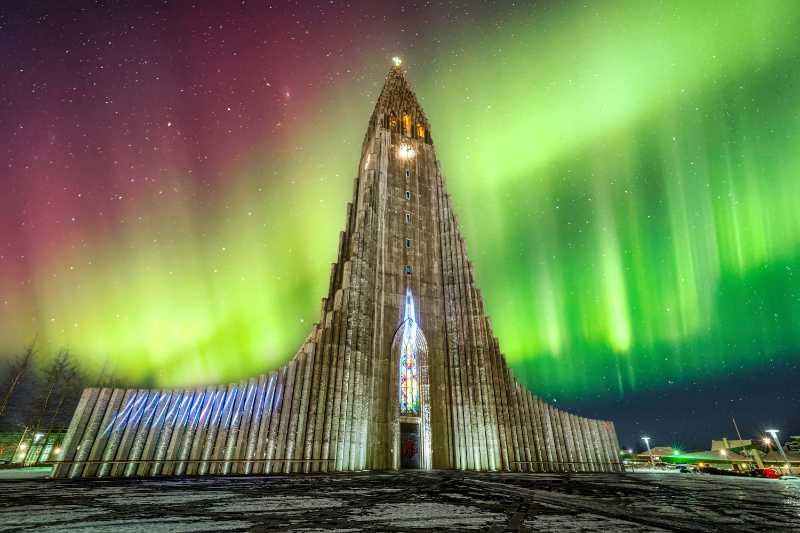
(60, 381)
(18, 371)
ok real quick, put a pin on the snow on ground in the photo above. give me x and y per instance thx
(404, 501)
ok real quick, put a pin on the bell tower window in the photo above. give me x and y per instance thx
(406, 125)
(393, 122)
(420, 131)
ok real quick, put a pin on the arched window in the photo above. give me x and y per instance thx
(420, 131)
(406, 125)
(413, 412)
(412, 345)
(392, 122)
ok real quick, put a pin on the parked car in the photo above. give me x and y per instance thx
(769, 473)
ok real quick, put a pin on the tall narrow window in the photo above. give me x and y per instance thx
(392, 122)
(408, 243)
(408, 218)
(420, 131)
(408, 195)
(407, 269)
(406, 125)
(409, 352)
(408, 173)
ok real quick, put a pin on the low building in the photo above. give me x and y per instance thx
(733, 444)
(719, 458)
(743, 454)
(790, 463)
(792, 444)
(29, 448)
(655, 453)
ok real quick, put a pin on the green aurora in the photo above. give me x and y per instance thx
(628, 181)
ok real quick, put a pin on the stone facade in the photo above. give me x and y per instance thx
(336, 405)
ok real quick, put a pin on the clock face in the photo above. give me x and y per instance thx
(406, 152)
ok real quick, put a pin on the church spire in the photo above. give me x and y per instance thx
(398, 109)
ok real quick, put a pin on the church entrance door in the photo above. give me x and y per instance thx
(409, 445)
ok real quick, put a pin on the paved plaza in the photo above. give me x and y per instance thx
(405, 501)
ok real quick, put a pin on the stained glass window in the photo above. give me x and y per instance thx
(409, 372)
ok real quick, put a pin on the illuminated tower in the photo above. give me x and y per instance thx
(402, 370)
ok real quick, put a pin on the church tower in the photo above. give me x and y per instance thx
(402, 370)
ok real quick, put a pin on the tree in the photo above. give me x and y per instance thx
(60, 386)
(19, 370)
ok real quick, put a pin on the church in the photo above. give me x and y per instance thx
(402, 371)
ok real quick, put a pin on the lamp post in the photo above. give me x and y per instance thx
(21, 447)
(774, 433)
(649, 451)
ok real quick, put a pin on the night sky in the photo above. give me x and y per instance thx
(174, 177)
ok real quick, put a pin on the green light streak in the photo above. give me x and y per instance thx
(626, 176)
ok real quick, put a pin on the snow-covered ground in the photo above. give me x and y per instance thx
(36, 472)
(405, 501)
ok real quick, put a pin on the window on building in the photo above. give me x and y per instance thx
(409, 355)
(420, 131)
(408, 243)
(408, 218)
(408, 195)
(392, 122)
(407, 269)
(406, 125)
(408, 173)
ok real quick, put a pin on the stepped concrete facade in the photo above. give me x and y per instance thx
(402, 370)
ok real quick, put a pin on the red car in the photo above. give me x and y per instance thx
(769, 473)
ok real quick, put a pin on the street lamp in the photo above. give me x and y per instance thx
(649, 451)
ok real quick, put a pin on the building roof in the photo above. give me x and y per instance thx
(657, 451)
(708, 456)
(775, 457)
(719, 444)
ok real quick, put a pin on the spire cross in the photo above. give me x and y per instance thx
(397, 61)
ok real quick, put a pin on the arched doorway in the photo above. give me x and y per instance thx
(411, 406)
